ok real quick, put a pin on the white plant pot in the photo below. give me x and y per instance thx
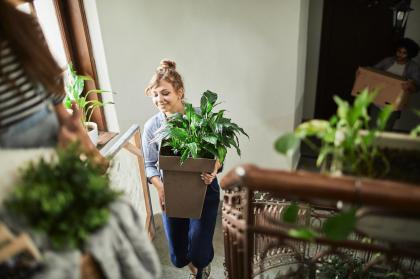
(92, 130)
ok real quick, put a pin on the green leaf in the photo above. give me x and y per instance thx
(312, 127)
(184, 155)
(343, 107)
(290, 214)
(178, 133)
(221, 153)
(287, 144)
(210, 139)
(339, 226)
(305, 234)
(384, 116)
(415, 131)
(193, 149)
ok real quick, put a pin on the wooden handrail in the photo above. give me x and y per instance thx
(311, 186)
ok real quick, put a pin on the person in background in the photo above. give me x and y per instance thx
(190, 240)
(403, 65)
(32, 89)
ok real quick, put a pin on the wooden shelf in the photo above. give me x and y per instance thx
(105, 137)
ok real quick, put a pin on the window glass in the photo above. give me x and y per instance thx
(47, 17)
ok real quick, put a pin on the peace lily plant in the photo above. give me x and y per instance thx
(74, 85)
(347, 141)
(200, 133)
(347, 144)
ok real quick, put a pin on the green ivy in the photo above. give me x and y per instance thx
(200, 134)
(66, 198)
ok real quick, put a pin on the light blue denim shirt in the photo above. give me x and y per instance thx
(151, 149)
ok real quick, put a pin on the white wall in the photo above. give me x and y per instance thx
(408, 119)
(312, 61)
(250, 52)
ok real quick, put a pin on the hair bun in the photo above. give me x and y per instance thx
(167, 64)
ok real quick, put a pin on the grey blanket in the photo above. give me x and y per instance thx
(121, 248)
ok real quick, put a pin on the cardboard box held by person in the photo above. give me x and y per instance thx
(389, 87)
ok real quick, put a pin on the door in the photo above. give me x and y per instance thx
(354, 33)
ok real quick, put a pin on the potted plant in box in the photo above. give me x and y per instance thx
(74, 86)
(191, 144)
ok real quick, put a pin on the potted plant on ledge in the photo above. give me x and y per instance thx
(349, 146)
(191, 144)
(74, 86)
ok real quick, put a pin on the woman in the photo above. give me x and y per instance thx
(402, 64)
(31, 89)
(190, 240)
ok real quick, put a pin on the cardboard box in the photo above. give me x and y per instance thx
(389, 86)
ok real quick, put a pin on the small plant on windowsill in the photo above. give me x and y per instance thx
(74, 85)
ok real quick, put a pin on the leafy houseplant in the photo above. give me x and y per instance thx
(66, 198)
(190, 144)
(349, 145)
(74, 86)
(201, 134)
(344, 147)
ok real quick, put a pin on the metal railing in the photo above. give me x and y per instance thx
(258, 243)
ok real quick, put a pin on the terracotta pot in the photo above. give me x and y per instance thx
(184, 189)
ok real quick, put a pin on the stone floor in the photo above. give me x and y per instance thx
(171, 272)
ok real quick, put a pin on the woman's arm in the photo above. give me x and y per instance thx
(150, 154)
(72, 130)
(155, 180)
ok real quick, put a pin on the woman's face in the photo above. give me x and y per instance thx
(166, 99)
(402, 55)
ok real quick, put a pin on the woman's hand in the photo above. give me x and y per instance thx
(208, 177)
(409, 86)
(72, 130)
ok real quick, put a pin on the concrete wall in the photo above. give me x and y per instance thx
(125, 177)
(250, 52)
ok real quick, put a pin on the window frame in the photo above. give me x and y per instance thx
(77, 44)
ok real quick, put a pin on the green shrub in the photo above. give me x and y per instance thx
(66, 198)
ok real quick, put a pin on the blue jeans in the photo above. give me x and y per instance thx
(191, 240)
(37, 130)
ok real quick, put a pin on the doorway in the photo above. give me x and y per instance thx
(354, 33)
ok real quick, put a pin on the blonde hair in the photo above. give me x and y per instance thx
(167, 72)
